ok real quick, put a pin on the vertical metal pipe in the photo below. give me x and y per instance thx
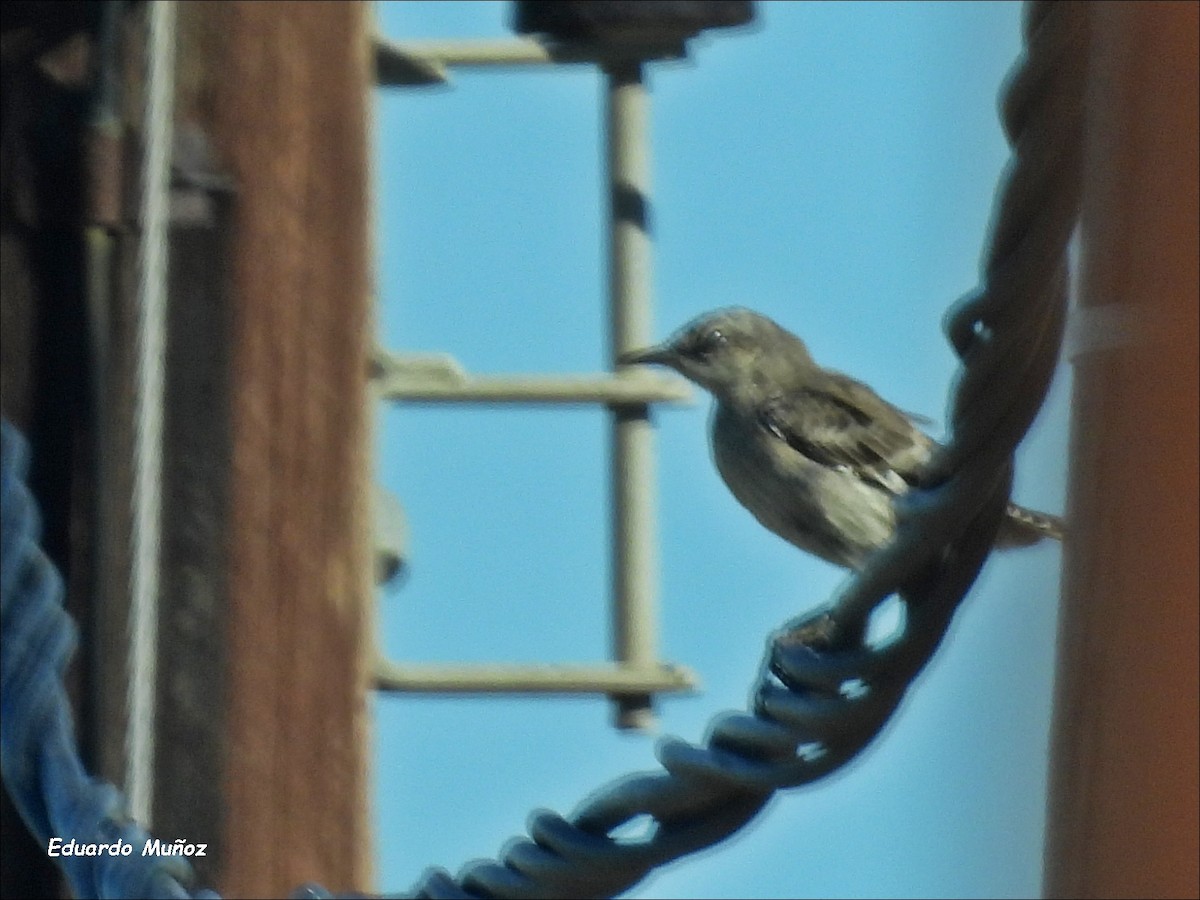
(635, 564)
(104, 727)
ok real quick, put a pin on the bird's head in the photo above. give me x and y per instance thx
(730, 353)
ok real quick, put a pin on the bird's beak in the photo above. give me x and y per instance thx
(658, 355)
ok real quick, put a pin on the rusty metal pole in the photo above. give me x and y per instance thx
(1123, 783)
(284, 96)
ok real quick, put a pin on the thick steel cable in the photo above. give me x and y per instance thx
(148, 413)
(824, 694)
(39, 757)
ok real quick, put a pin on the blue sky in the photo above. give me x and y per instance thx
(834, 168)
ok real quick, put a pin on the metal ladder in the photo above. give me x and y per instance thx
(636, 673)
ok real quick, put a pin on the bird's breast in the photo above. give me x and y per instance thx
(823, 510)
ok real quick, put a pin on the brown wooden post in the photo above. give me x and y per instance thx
(284, 98)
(1123, 787)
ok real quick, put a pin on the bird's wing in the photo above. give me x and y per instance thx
(842, 423)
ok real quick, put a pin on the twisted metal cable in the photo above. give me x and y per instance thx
(146, 534)
(113, 856)
(824, 694)
(38, 754)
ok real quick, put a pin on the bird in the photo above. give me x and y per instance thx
(816, 456)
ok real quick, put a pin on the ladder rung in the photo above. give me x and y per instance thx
(399, 63)
(532, 679)
(442, 379)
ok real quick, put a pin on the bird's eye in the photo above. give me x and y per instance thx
(708, 343)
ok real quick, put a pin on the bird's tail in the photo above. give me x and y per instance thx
(1023, 527)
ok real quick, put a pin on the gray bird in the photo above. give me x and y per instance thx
(816, 456)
